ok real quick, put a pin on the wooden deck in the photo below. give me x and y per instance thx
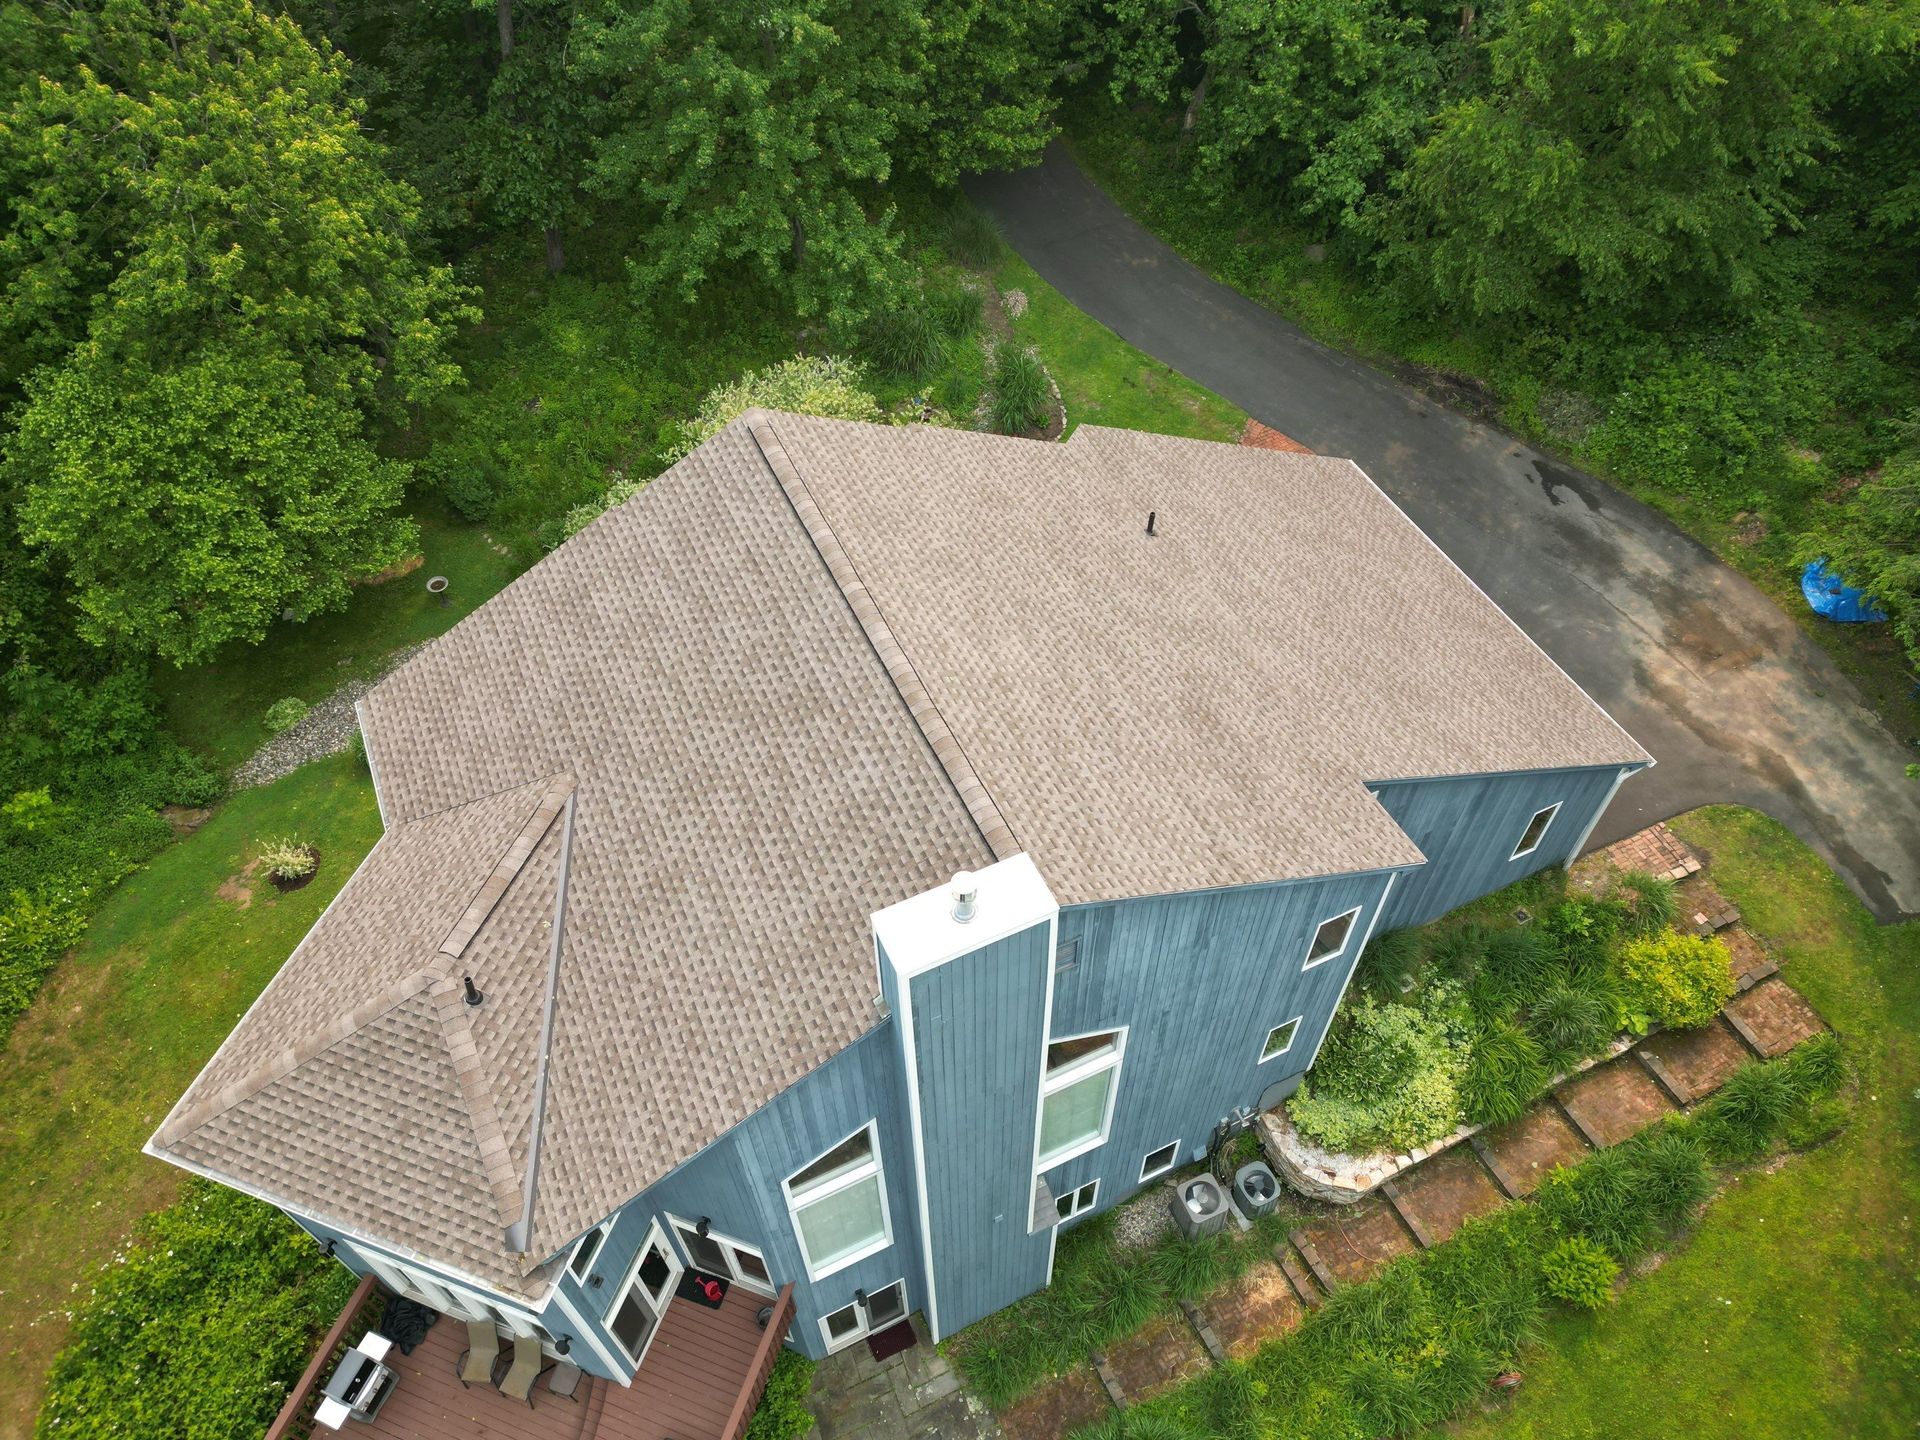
(699, 1381)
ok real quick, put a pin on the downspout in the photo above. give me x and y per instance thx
(520, 1233)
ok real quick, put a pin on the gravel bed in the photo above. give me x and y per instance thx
(1143, 1219)
(326, 729)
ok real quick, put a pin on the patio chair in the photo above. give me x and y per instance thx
(483, 1349)
(563, 1379)
(517, 1383)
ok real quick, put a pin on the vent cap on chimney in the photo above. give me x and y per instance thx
(966, 894)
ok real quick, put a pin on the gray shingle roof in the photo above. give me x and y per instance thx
(816, 668)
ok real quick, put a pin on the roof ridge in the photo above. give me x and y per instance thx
(518, 852)
(448, 998)
(947, 750)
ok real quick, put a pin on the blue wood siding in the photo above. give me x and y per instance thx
(1199, 979)
(978, 1030)
(1467, 827)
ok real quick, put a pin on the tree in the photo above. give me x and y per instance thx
(1625, 155)
(988, 99)
(1874, 542)
(756, 134)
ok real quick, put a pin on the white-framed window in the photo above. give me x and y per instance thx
(1330, 939)
(1158, 1162)
(839, 1204)
(1280, 1040)
(1536, 831)
(707, 1249)
(868, 1313)
(581, 1261)
(1077, 1091)
(641, 1299)
(1077, 1202)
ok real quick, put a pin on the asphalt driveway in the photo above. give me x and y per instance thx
(1736, 704)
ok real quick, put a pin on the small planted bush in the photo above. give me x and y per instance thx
(1507, 1070)
(1020, 391)
(1677, 980)
(1579, 1272)
(286, 858)
(782, 1413)
(1582, 930)
(285, 714)
(1389, 1075)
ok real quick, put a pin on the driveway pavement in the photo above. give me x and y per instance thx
(1737, 705)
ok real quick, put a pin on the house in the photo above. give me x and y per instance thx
(868, 851)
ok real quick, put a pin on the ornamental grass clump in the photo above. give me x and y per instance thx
(1651, 902)
(1673, 979)
(1507, 1070)
(971, 236)
(908, 341)
(1571, 1021)
(1020, 391)
(1391, 961)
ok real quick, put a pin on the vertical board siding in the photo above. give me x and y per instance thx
(1199, 979)
(978, 1025)
(1467, 827)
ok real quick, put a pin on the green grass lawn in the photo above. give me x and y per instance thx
(1794, 1308)
(168, 964)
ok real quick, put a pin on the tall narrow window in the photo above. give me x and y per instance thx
(1330, 939)
(839, 1205)
(1077, 1094)
(1535, 832)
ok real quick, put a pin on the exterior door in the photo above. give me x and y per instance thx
(640, 1304)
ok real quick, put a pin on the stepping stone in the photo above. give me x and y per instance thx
(1524, 1153)
(1255, 1308)
(1057, 1408)
(1355, 1244)
(1157, 1356)
(1443, 1193)
(1694, 1063)
(1751, 963)
(1612, 1101)
(1773, 1017)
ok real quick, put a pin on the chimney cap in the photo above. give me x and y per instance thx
(965, 890)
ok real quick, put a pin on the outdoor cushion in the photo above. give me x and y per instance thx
(483, 1348)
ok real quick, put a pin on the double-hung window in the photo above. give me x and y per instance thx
(1077, 1093)
(1535, 832)
(839, 1205)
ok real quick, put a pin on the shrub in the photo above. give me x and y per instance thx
(1458, 950)
(197, 1328)
(1579, 1272)
(286, 859)
(1650, 900)
(971, 236)
(1389, 1075)
(1581, 930)
(782, 1413)
(805, 385)
(36, 928)
(1020, 391)
(1390, 960)
(284, 714)
(906, 342)
(1678, 980)
(1571, 1021)
(1507, 1070)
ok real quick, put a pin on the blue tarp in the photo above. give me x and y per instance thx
(1832, 597)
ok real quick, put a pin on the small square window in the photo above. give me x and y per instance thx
(1331, 938)
(1066, 955)
(1077, 1202)
(1158, 1162)
(1535, 832)
(1280, 1039)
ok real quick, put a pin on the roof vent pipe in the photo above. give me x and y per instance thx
(966, 890)
(1152, 516)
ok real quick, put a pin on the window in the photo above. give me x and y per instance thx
(1077, 1094)
(1331, 938)
(642, 1298)
(1066, 955)
(870, 1311)
(1158, 1162)
(1077, 1202)
(719, 1254)
(1280, 1039)
(1535, 832)
(839, 1205)
(584, 1252)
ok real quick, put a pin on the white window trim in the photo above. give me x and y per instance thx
(1072, 1074)
(602, 1230)
(821, 1189)
(860, 1313)
(1552, 812)
(729, 1245)
(1078, 1209)
(1350, 916)
(654, 1233)
(1173, 1161)
(1262, 1057)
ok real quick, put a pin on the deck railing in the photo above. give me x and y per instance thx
(295, 1421)
(755, 1385)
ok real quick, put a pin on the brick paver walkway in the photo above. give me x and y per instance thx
(911, 1395)
(1522, 1154)
(1612, 1101)
(1444, 1193)
(1265, 437)
(1251, 1310)
(1157, 1356)
(1773, 1017)
(1693, 1063)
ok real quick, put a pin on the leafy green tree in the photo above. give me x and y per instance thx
(1874, 542)
(988, 100)
(756, 135)
(1623, 155)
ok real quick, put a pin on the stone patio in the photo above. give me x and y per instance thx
(1160, 1354)
(1348, 1248)
(1613, 1101)
(1254, 1308)
(1057, 1408)
(1524, 1153)
(1694, 1063)
(1773, 1017)
(1443, 1194)
(913, 1394)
